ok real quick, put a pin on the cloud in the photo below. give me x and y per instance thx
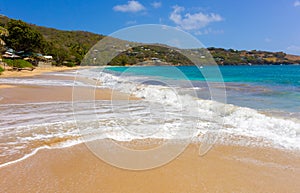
(297, 4)
(294, 49)
(192, 21)
(131, 6)
(209, 31)
(268, 40)
(156, 4)
(131, 22)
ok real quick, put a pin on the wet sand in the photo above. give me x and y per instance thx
(37, 71)
(19, 94)
(223, 169)
(76, 169)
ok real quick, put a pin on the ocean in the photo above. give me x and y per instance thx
(260, 87)
(246, 106)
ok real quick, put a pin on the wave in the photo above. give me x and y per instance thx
(36, 150)
(166, 112)
(42, 82)
(281, 132)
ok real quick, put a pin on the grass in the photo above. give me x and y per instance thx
(18, 63)
(271, 59)
(1, 70)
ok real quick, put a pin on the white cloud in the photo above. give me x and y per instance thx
(268, 40)
(209, 31)
(131, 6)
(294, 49)
(297, 3)
(192, 21)
(156, 4)
(131, 22)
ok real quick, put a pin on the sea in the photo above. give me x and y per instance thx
(253, 106)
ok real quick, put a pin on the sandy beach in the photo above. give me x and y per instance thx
(19, 94)
(149, 96)
(37, 71)
(223, 169)
(24, 93)
(76, 169)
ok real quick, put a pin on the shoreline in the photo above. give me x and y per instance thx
(144, 144)
(74, 168)
(223, 168)
(20, 94)
(29, 93)
(39, 71)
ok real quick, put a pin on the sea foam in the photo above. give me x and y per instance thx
(164, 113)
(221, 118)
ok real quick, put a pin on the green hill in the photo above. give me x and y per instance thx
(70, 47)
(64, 46)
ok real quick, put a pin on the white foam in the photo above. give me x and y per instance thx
(163, 113)
(238, 120)
(65, 144)
(42, 82)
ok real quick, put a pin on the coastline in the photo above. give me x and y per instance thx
(20, 94)
(38, 71)
(225, 168)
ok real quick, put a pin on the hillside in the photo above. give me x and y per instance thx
(235, 57)
(64, 46)
(70, 47)
(74, 44)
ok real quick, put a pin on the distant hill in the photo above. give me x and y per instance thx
(235, 57)
(150, 54)
(70, 47)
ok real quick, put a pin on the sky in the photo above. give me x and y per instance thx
(272, 25)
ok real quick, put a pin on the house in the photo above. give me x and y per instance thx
(10, 54)
(45, 61)
(155, 60)
(48, 57)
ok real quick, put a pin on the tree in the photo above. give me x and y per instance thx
(3, 33)
(22, 37)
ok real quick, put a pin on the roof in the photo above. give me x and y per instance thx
(48, 57)
(10, 56)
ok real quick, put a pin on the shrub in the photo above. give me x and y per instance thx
(69, 64)
(18, 63)
(1, 70)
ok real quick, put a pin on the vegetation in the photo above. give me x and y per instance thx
(146, 53)
(1, 70)
(235, 57)
(23, 38)
(18, 63)
(66, 47)
(3, 33)
(221, 56)
(70, 46)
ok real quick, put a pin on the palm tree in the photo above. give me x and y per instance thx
(3, 32)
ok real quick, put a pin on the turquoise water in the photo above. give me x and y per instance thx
(271, 88)
(285, 75)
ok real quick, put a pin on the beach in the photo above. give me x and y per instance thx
(149, 96)
(37, 71)
(223, 169)
(46, 166)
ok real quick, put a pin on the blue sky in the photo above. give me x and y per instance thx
(256, 24)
